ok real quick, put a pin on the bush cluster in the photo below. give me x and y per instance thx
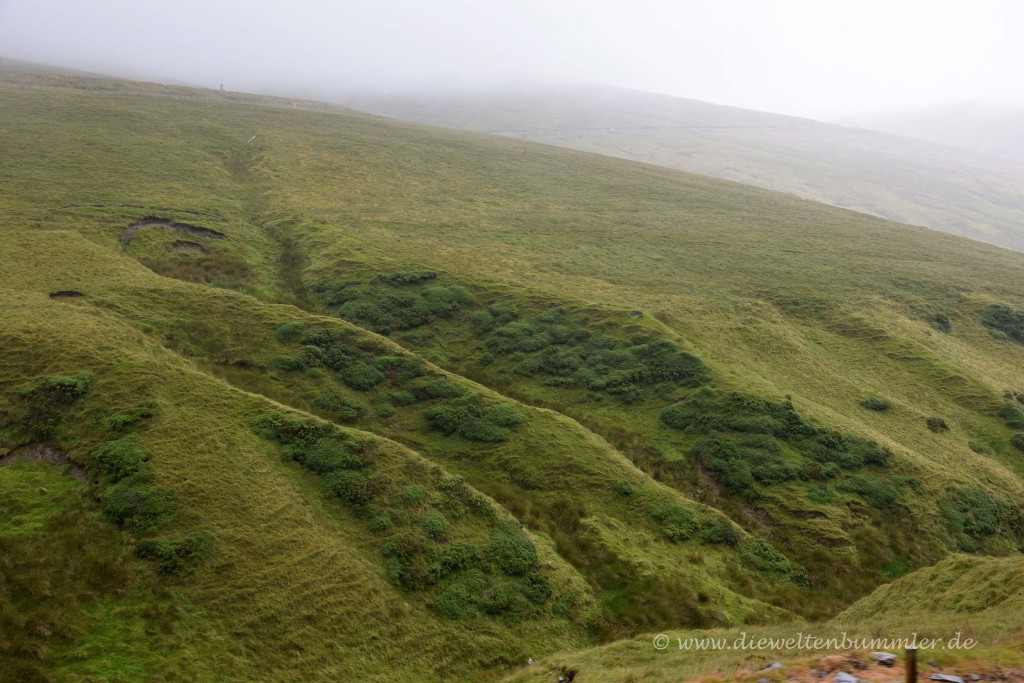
(878, 404)
(340, 408)
(973, 514)
(175, 556)
(136, 505)
(879, 492)
(400, 301)
(742, 440)
(1004, 319)
(936, 424)
(128, 419)
(473, 421)
(677, 523)
(561, 349)
(118, 459)
(45, 401)
(763, 556)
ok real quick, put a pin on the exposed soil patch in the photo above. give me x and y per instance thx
(155, 222)
(40, 452)
(185, 245)
(65, 294)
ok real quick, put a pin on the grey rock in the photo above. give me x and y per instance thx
(763, 680)
(947, 679)
(843, 677)
(932, 662)
(772, 667)
(884, 658)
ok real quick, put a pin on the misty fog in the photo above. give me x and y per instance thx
(805, 57)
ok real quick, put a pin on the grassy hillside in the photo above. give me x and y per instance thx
(977, 597)
(898, 178)
(350, 391)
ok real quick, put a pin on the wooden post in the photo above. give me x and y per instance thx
(911, 665)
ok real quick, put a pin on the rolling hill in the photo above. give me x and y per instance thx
(292, 393)
(991, 129)
(902, 179)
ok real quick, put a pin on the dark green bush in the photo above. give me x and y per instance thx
(175, 556)
(341, 408)
(361, 376)
(468, 421)
(126, 419)
(504, 416)
(763, 556)
(879, 492)
(136, 505)
(675, 416)
(1004, 319)
(45, 400)
(288, 430)
(288, 333)
(410, 277)
(719, 531)
(330, 455)
(874, 403)
(434, 524)
(118, 459)
(510, 551)
(403, 397)
(1012, 414)
(290, 363)
(973, 514)
(941, 322)
(1017, 441)
(677, 522)
(354, 487)
(937, 424)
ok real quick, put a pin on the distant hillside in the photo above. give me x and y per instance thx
(898, 178)
(996, 130)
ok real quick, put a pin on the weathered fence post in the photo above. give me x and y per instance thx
(911, 665)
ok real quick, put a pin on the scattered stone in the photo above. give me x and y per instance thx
(947, 679)
(763, 680)
(932, 662)
(843, 677)
(772, 667)
(884, 658)
(975, 677)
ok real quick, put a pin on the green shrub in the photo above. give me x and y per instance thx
(937, 424)
(504, 416)
(410, 277)
(877, 491)
(719, 531)
(1005, 320)
(385, 410)
(175, 556)
(510, 551)
(45, 400)
(438, 388)
(288, 333)
(1012, 414)
(353, 487)
(973, 514)
(289, 363)
(763, 556)
(403, 397)
(289, 430)
(1017, 441)
(940, 321)
(434, 524)
(675, 416)
(135, 505)
(118, 459)
(330, 455)
(58, 389)
(361, 376)
(341, 408)
(468, 421)
(414, 493)
(979, 447)
(677, 522)
(622, 488)
(878, 404)
(126, 419)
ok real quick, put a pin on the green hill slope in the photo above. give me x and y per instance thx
(905, 180)
(351, 390)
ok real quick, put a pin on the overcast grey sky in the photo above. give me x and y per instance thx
(819, 58)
